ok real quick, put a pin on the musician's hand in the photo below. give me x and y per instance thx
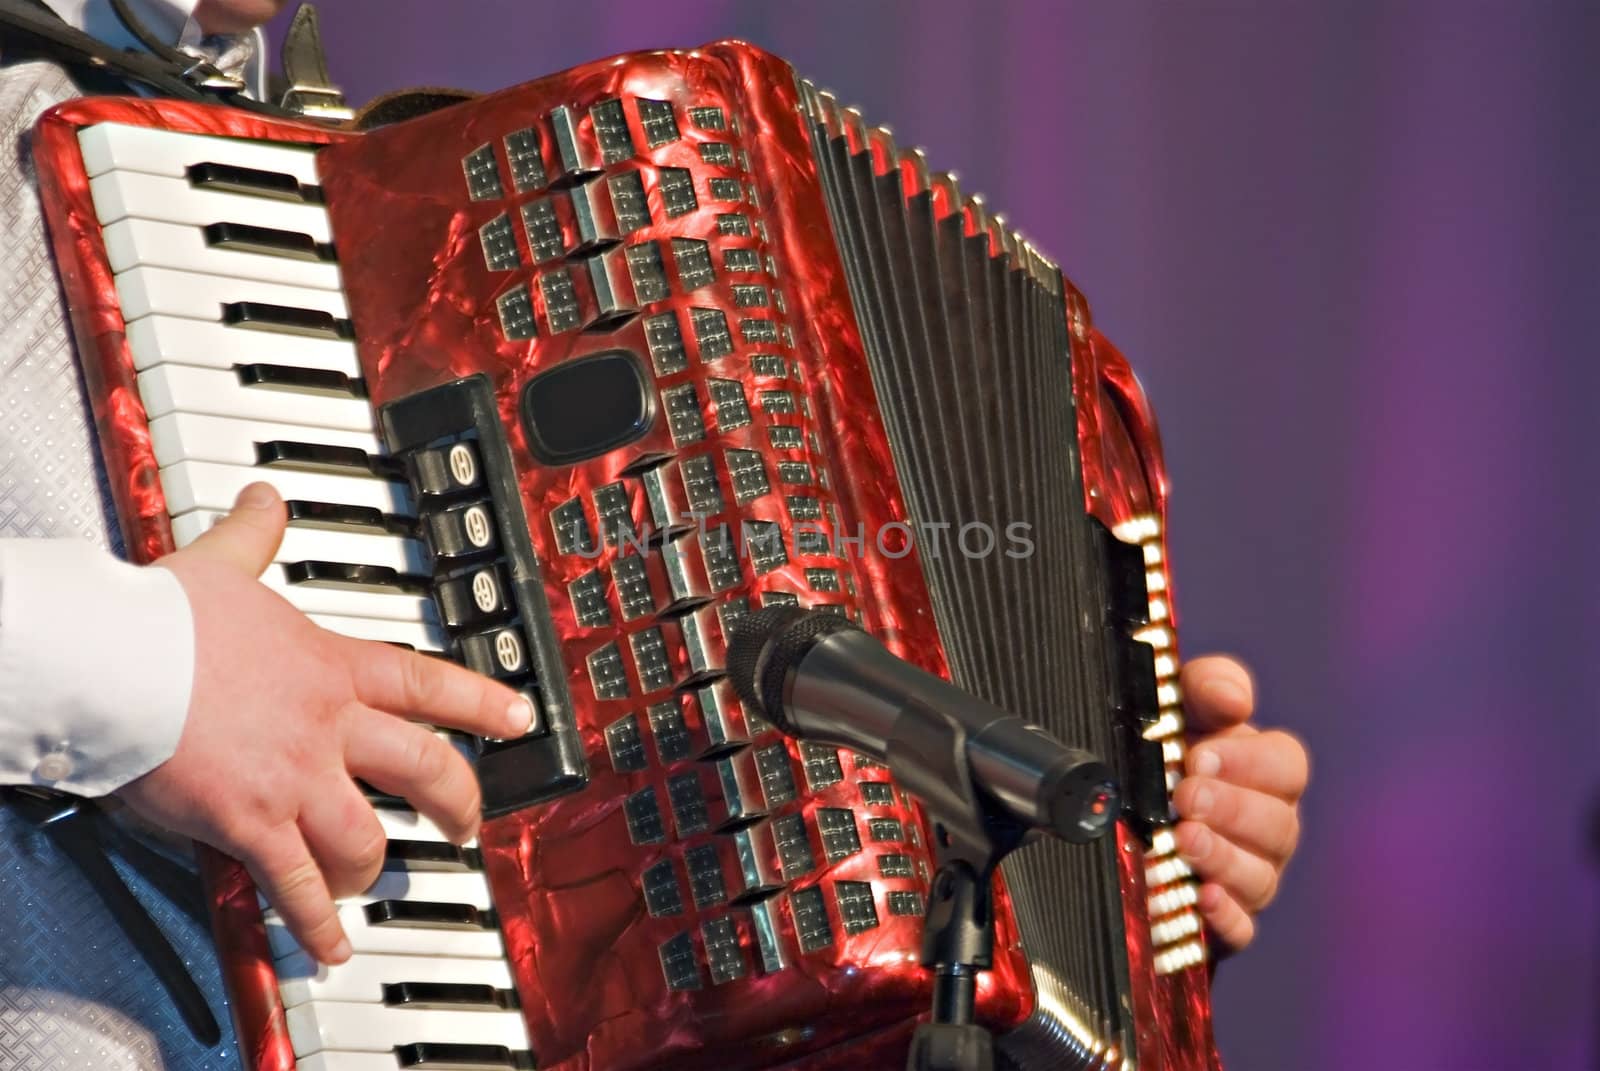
(283, 716)
(1240, 800)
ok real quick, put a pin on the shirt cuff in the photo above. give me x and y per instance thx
(96, 666)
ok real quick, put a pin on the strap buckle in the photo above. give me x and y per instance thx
(203, 74)
(311, 92)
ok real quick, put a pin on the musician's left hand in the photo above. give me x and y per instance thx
(1239, 801)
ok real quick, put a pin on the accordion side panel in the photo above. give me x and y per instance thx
(124, 436)
(1125, 488)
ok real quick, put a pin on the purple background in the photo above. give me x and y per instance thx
(1351, 248)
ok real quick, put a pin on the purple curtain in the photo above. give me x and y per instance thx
(1351, 248)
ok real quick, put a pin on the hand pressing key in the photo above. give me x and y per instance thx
(285, 715)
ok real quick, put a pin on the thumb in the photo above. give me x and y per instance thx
(249, 535)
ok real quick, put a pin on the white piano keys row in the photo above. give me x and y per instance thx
(206, 427)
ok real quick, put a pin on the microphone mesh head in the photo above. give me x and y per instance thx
(763, 645)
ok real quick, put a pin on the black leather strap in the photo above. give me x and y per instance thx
(43, 34)
(74, 826)
(304, 63)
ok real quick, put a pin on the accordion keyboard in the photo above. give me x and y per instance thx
(229, 284)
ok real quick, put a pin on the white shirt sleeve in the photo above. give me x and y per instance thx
(96, 666)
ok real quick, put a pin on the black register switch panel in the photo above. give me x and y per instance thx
(486, 581)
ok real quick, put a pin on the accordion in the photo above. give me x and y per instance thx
(558, 382)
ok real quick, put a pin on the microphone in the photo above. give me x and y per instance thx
(818, 676)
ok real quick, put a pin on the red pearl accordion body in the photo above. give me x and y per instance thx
(565, 875)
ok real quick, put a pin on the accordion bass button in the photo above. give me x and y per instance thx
(593, 215)
(577, 155)
(741, 791)
(722, 715)
(614, 297)
(683, 561)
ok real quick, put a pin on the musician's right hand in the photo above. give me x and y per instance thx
(285, 715)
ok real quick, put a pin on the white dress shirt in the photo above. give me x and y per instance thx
(96, 665)
(96, 655)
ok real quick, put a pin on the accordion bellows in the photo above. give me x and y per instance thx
(820, 374)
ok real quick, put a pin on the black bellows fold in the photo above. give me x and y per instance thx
(973, 372)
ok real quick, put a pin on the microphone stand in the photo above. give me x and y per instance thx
(970, 838)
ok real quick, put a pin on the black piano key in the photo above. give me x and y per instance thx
(300, 380)
(447, 995)
(248, 238)
(427, 915)
(353, 576)
(231, 178)
(260, 316)
(320, 457)
(430, 855)
(342, 517)
(440, 1056)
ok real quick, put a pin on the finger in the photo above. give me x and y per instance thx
(1247, 877)
(1257, 822)
(432, 690)
(286, 874)
(1274, 762)
(249, 535)
(344, 836)
(1218, 693)
(1231, 923)
(408, 760)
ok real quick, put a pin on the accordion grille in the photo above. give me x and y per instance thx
(965, 327)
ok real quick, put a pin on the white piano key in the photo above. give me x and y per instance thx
(193, 485)
(157, 340)
(328, 1060)
(376, 1028)
(174, 388)
(360, 979)
(422, 635)
(133, 243)
(366, 938)
(202, 437)
(310, 599)
(131, 195)
(118, 146)
(409, 825)
(320, 544)
(431, 886)
(167, 292)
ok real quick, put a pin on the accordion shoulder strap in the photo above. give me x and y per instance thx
(164, 70)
